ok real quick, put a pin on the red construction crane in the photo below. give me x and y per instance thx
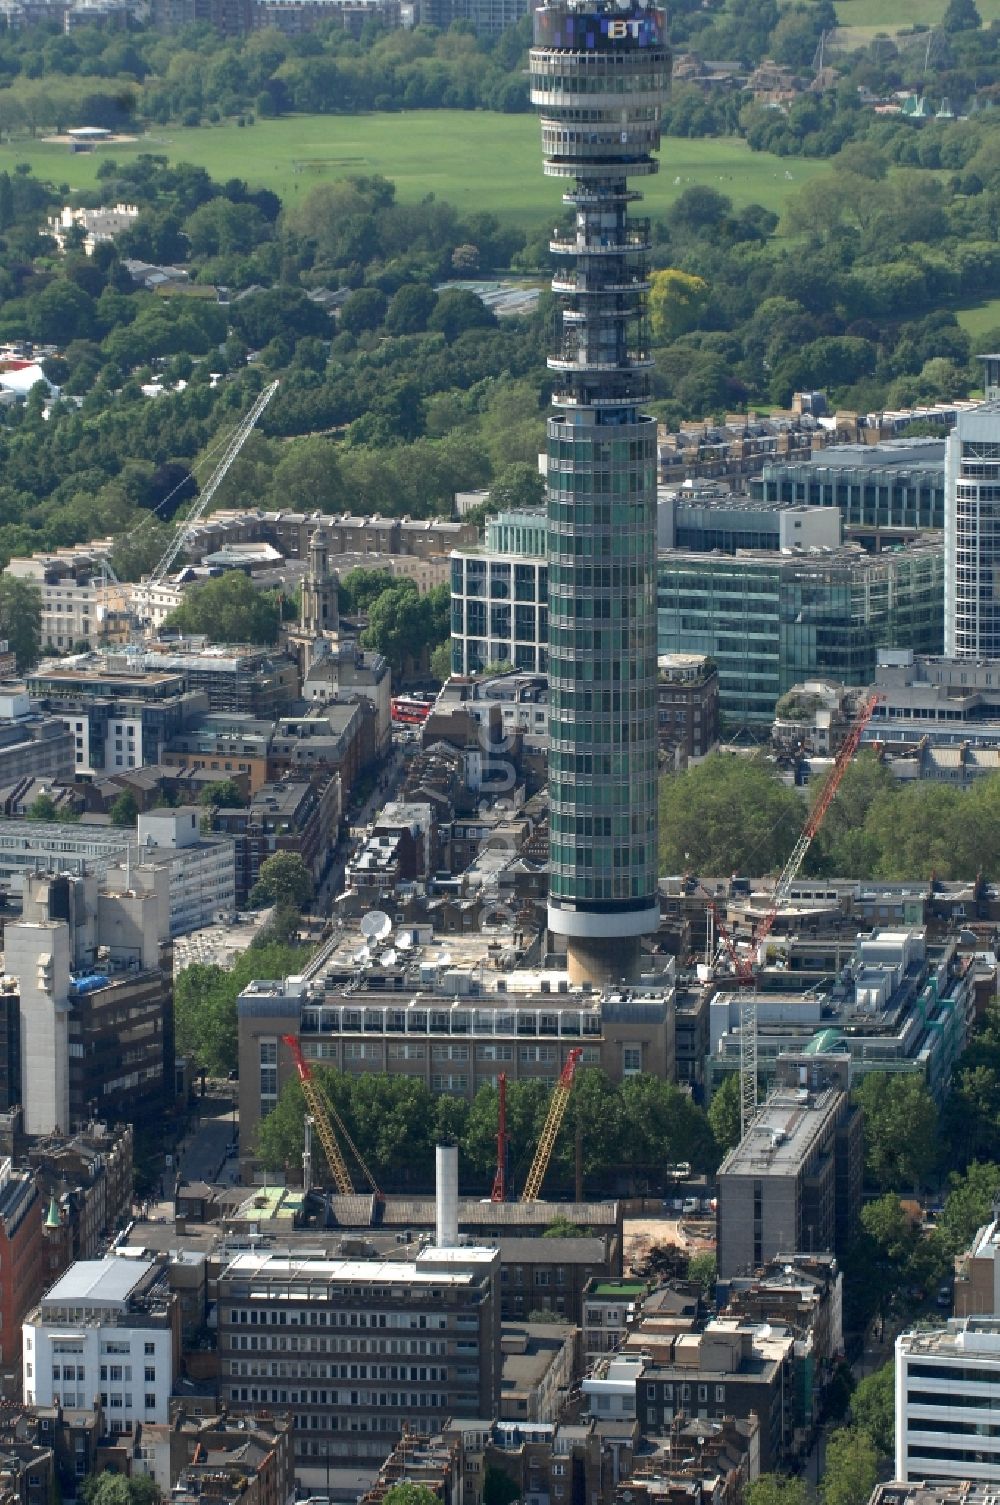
(499, 1192)
(322, 1112)
(557, 1112)
(746, 961)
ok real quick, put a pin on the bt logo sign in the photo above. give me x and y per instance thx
(618, 30)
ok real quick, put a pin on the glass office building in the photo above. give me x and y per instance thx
(599, 72)
(972, 527)
(772, 620)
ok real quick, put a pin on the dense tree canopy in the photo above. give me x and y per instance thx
(205, 1002)
(727, 815)
(731, 814)
(630, 1131)
(284, 880)
(230, 609)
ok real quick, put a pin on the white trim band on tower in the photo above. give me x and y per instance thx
(583, 924)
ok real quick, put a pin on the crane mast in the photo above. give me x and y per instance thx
(499, 1192)
(322, 1113)
(745, 963)
(239, 437)
(553, 1122)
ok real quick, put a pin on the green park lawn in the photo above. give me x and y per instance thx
(980, 317)
(475, 160)
(892, 15)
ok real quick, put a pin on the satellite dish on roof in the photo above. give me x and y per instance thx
(375, 925)
(389, 958)
(404, 940)
(445, 958)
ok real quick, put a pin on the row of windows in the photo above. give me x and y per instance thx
(313, 1343)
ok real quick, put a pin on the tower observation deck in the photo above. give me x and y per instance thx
(599, 72)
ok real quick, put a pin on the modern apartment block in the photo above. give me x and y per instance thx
(599, 74)
(972, 527)
(772, 620)
(117, 719)
(793, 1183)
(357, 1350)
(499, 597)
(108, 1328)
(946, 1389)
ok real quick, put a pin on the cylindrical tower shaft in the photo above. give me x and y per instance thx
(599, 72)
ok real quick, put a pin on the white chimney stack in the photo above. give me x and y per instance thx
(446, 1167)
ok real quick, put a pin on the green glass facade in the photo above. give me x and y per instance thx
(771, 621)
(869, 498)
(599, 72)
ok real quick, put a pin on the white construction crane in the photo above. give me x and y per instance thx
(240, 435)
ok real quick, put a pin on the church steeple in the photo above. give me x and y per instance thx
(318, 615)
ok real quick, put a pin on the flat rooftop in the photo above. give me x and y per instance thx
(98, 1282)
(782, 1134)
(285, 1271)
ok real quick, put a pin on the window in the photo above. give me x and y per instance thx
(150, 1374)
(150, 1402)
(149, 1348)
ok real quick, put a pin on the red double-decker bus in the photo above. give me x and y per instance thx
(410, 710)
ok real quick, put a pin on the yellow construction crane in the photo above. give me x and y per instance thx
(321, 1113)
(553, 1123)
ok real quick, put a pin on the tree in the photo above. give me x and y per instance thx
(21, 619)
(361, 587)
(205, 1002)
(410, 1494)
(225, 795)
(851, 1471)
(901, 1129)
(516, 486)
(401, 624)
(961, 15)
(562, 1228)
(727, 815)
(43, 807)
(702, 1269)
(457, 311)
(777, 1489)
(677, 301)
(365, 309)
(724, 1113)
(873, 1409)
(968, 1206)
(410, 307)
(499, 1488)
(117, 1489)
(440, 663)
(229, 609)
(284, 880)
(124, 812)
